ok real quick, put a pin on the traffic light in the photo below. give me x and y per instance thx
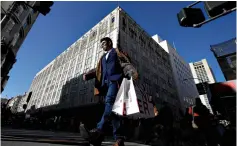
(214, 8)
(187, 17)
(193, 17)
(43, 7)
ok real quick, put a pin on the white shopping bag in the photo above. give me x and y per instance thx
(131, 103)
(118, 106)
(126, 99)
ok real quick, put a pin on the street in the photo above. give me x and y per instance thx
(21, 143)
(22, 137)
(38, 137)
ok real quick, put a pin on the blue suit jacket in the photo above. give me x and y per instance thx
(111, 69)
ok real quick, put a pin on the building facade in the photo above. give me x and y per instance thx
(14, 103)
(16, 21)
(225, 54)
(60, 82)
(181, 73)
(202, 73)
(4, 101)
(22, 102)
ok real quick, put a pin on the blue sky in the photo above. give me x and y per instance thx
(68, 21)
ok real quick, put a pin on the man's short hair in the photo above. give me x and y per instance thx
(107, 39)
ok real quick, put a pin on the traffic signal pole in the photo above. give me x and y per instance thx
(193, 4)
(225, 12)
(194, 17)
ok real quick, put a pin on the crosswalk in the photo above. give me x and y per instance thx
(51, 137)
(42, 136)
(38, 133)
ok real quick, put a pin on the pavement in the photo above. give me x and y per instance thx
(22, 137)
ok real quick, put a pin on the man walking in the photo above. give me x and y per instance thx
(113, 66)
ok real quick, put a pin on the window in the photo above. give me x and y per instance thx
(78, 68)
(88, 63)
(142, 41)
(19, 10)
(10, 25)
(103, 27)
(93, 37)
(15, 39)
(112, 20)
(25, 25)
(132, 33)
(124, 22)
(94, 34)
(28, 20)
(76, 47)
(84, 42)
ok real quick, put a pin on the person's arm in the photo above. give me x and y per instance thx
(125, 62)
(90, 75)
(129, 71)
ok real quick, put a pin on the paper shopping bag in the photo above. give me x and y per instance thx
(131, 103)
(118, 106)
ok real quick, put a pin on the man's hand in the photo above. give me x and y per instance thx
(84, 77)
(128, 75)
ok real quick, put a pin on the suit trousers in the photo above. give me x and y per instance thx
(108, 116)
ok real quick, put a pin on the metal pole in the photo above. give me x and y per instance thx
(7, 13)
(193, 4)
(3, 19)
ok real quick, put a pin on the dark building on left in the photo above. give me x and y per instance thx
(16, 21)
(17, 18)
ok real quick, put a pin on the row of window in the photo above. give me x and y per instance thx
(77, 48)
(49, 94)
(11, 23)
(137, 34)
(199, 67)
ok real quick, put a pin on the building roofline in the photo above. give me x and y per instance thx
(222, 43)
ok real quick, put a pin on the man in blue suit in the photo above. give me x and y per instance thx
(113, 66)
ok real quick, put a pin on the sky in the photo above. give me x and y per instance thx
(68, 21)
